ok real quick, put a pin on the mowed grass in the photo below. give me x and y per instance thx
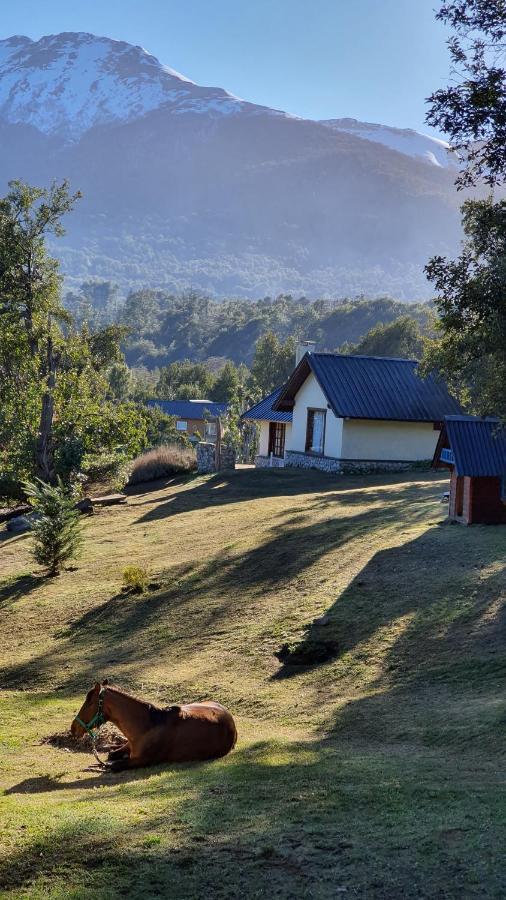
(376, 774)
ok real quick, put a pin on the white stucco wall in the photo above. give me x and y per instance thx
(263, 440)
(371, 439)
(311, 396)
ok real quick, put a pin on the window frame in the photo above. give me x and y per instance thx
(309, 439)
(182, 425)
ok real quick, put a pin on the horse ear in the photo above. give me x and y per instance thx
(97, 685)
(105, 682)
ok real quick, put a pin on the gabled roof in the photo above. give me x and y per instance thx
(372, 387)
(478, 446)
(263, 410)
(190, 409)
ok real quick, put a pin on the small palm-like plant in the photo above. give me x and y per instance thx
(56, 529)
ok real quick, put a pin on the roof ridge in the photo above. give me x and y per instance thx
(365, 356)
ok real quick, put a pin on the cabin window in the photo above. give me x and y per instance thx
(210, 429)
(181, 425)
(315, 431)
(277, 439)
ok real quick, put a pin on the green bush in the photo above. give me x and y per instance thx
(135, 579)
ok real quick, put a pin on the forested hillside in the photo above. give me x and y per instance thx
(166, 327)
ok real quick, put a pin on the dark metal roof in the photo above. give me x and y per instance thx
(263, 410)
(478, 445)
(190, 409)
(372, 387)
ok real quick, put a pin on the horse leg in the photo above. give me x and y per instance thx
(127, 762)
(120, 753)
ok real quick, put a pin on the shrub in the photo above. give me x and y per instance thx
(135, 578)
(161, 462)
(57, 529)
(108, 467)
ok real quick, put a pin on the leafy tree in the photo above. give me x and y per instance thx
(471, 290)
(57, 528)
(273, 362)
(471, 301)
(185, 380)
(53, 385)
(118, 377)
(227, 383)
(401, 338)
(30, 307)
(472, 110)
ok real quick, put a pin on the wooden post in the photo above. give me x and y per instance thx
(217, 449)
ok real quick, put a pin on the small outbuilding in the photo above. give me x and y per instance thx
(474, 449)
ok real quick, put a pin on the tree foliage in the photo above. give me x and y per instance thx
(54, 406)
(472, 110)
(402, 338)
(471, 301)
(273, 362)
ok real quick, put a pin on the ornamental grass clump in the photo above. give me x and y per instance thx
(162, 462)
(56, 528)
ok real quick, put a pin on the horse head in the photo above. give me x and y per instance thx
(90, 715)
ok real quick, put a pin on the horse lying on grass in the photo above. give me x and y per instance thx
(155, 735)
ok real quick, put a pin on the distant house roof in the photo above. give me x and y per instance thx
(371, 387)
(190, 409)
(263, 410)
(477, 446)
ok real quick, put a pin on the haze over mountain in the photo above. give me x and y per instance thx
(189, 185)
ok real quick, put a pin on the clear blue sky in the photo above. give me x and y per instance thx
(374, 60)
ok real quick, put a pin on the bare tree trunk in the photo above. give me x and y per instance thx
(44, 446)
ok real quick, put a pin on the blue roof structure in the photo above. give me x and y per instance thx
(190, 409)
(263, 410)
(372, 387)
(478, 445)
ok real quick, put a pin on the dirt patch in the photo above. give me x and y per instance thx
(108, 738)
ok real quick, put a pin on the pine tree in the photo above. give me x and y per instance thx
(57, 529)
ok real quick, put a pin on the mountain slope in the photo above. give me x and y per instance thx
(189, 185)
(405, 140)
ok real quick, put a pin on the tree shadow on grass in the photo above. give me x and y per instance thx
(441, 597)
(119, 628)
(15, 588)
(288, 820)
(239, 486)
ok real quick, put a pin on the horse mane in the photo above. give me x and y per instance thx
(156, 712)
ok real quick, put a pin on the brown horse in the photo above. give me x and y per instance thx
(154, 734)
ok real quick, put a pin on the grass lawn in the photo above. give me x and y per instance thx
(377, 773)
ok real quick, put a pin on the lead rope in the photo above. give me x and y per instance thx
(102, 764)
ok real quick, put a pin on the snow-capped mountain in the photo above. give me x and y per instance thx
(405, 140)
(184, 184)
(68, 83)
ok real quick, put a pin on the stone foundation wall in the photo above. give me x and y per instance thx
(346, 466)
(206, 457)
(306, 461)
(369, 466)
(264, 462)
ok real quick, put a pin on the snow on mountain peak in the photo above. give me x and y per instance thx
(431, 150)
(67, 83)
